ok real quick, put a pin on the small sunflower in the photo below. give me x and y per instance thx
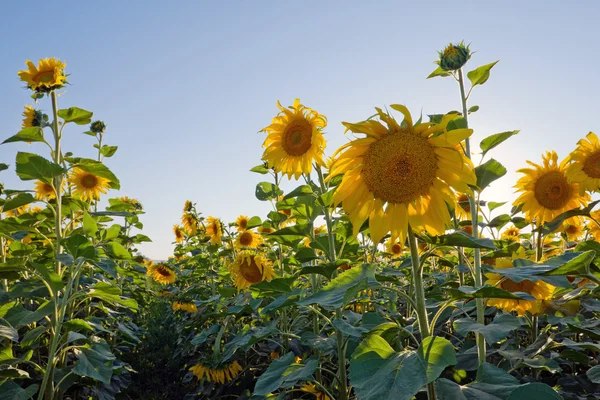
(44, 191)
(224, 374)
(36, 209)
(310, 388)
(48, 75)
(187, 207)
(165, 293)
(463, 207)
(511, 233)
(585, 166)
(214, 230)
(87, 185)
(320, 230)
(294, 140)
(31, 117)
(184, 306)
(401, 175)
(179, 236)
(250, 268)
(248, 239)
(265, 230)
(540, 290)
(573, 228)
(18, 211)
(242, 223)
(394, 247)
(190, 223)
(545, 190)
(161, 273)
(135, 203)
(592, 227)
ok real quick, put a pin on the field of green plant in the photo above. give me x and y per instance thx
(386, 274)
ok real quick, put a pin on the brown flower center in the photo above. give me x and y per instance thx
(164, 271)
(47, 188)
(396, 248)
(243, 223)
(89, 181)
(246, 238)
(297, 137)
(552, 190)
(591, 165)
(572, 229)
(250, 271)
(523, 286)
(400, 167)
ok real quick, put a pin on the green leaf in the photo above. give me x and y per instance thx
(112, 294)
(283, 373)
(32, 336)
(108, 151)
(3, 166)
(10, 390)
(438, 72)
(110, 233)
(96, 168)
(117, 251)
(377, 372)
(488, 172)
(90, 227)
(31, 166)
(79, 246)
(534, 391)
(299, 191)
(473, 109)
(594, 374)
(33, 134)
(578, 265)
(491, 383)
(49, 276)
(487, 292)
(78, 324)
(260, 169)
(557, 222)
(344, 288)
(267, 191)
(494, 140)
(500, 327)
(95, 362)
(20, 200)
(7, 331)
(77, 115)
(253, 222)
(460, 239)
(492, 205)
(480, 75)
(499, 221)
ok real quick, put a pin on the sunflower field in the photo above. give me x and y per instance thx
(387, 273)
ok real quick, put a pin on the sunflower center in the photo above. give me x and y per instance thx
(463, 202)
(251, 272)
(297, 137)
(591, 165)
(523, 286)
(89, 181)
(400, 167)
(396, 249)
(572, 229)
(48, 188)
(161, 269)
(246, 238)
(552, 190)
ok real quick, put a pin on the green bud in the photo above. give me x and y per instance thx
(454, 56)
(98, 127)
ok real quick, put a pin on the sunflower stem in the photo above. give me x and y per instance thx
(57, 180)
(477, 275)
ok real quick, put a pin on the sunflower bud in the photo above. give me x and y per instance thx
(454, 56)
(98, 127)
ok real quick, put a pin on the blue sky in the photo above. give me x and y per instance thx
(184, 87)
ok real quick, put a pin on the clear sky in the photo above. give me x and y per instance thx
(184, 86)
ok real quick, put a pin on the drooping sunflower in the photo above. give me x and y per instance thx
(394, 247)
(540, 290)
(29, 118)
(214, 230)
(134, 203)
(592, 227)
(401, 175)
(48, 75)
(161, 273)
(44, 191)
(463, 208)
(186, 306)
(545, 190)
(187, 207)
(265, 230)
(585, 166)
(248, 239)
(179, 236)
(294, 140)
(511, 233)
(223, 374)
(242, 223)
(190, 223)
(310, 388)
(87, 185)
(250, 268)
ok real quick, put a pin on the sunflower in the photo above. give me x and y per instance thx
(165, 293)
(190, 223)
(310, 388)
(394, 247)
(178, 234)
(320, 230)
(184, 306)
(36, 209)
(161, 273)
(30, 118)
(187, 207)
(250, 268)
(540, 290)
(545, 190)
(468, 229)
(87, 185)
(573, 228)
(248, 239)
(401, 175)
(214, 230)
(221, 375)
(265, 230)
(135, 203)
(48, 75)
(592, 227)
(242, 223)
(585, 166)
(294, 140)
(463, 207)
(18, 211)
(511, 233)
(44, 191)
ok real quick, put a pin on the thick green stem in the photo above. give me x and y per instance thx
(478, 276)
(58, 181)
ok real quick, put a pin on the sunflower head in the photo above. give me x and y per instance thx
(511, 233)
(265, 230)
(134, 203)
(190, 223)
(584, 168)
(310, 388)
(187, 206)
(463, 207)
(98, 127)
(48, 75)
(86, 185)
(33, 117)
(44, 191)
(214, 230)
(242, 223)
(294, 140)
(545, 191)
(573, 228)
(248, 239)
(186, 306)
(161, 273)
(394, 247)
(401, 175)
(592, 227)
(250, 268)
(454, 56)
(221, 374)
(179, 236)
